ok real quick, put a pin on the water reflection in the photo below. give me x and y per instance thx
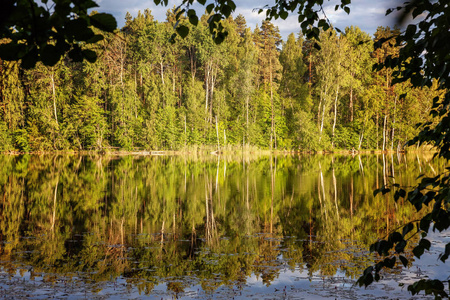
(183, 224)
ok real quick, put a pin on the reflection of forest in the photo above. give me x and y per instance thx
(172, 219)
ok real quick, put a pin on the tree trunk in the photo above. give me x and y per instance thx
(217, 132)
(246, 104)
(54, 97)
(272, 188)
(360, 139)
(335, 195)
(384, 132)
(271, 105)
(321, 123)
(351, 103)
(54, 204)
(376, 123)
(207, 88)
(393, 125)
(318, 110)
(335, 115)
(162, 72)
(211, 97)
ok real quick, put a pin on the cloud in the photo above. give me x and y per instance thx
(366, 14)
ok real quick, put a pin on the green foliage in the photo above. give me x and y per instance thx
(146, 93)
(20, 139)
(88, 123)
(421, 61)
(5, 138)
(346, 137)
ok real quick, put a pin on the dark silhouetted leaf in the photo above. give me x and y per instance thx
(403, 260)
(104, 22)
(51, 55)
(182, 30)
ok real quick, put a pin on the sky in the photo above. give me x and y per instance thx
(366, 14)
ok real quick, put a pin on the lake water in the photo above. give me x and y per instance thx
(136, 227)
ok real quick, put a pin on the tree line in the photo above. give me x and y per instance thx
(151, 89)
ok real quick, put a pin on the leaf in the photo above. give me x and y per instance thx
(220, 37)
(425, 223)
(193, 19)
(400, 247)
(403, 260)
(103, 21)
(425, 244)
(284, 14)
(209, 8)
(172, 38)
(226, 10)
(367, 278)
(410, 31)
(385, 191)
(89, 55)
(395, 237)
(382, 247)
(75, 54)
(30, 59)
(79, 30)
(399, 193)
(435, 287)
(418, 251)
(408, 227)
(322, 23)
(347, 10)
(443, 257)
(50, 55)
(376, 192)
(182, 30)
(10, 51)
(96, 38)
(389, 262)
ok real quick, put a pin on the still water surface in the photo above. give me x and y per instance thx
(189, 227)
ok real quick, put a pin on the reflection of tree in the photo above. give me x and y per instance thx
(210, 226)
(156, 220)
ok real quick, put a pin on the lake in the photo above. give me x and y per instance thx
(114, 227)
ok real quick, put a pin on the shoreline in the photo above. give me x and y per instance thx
(215, 152)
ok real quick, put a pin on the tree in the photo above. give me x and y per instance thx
(330, 74)
(358, 67)
(267, 39)
(12, 105)
(293, 90)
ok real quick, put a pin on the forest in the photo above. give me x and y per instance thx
(152, 90)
